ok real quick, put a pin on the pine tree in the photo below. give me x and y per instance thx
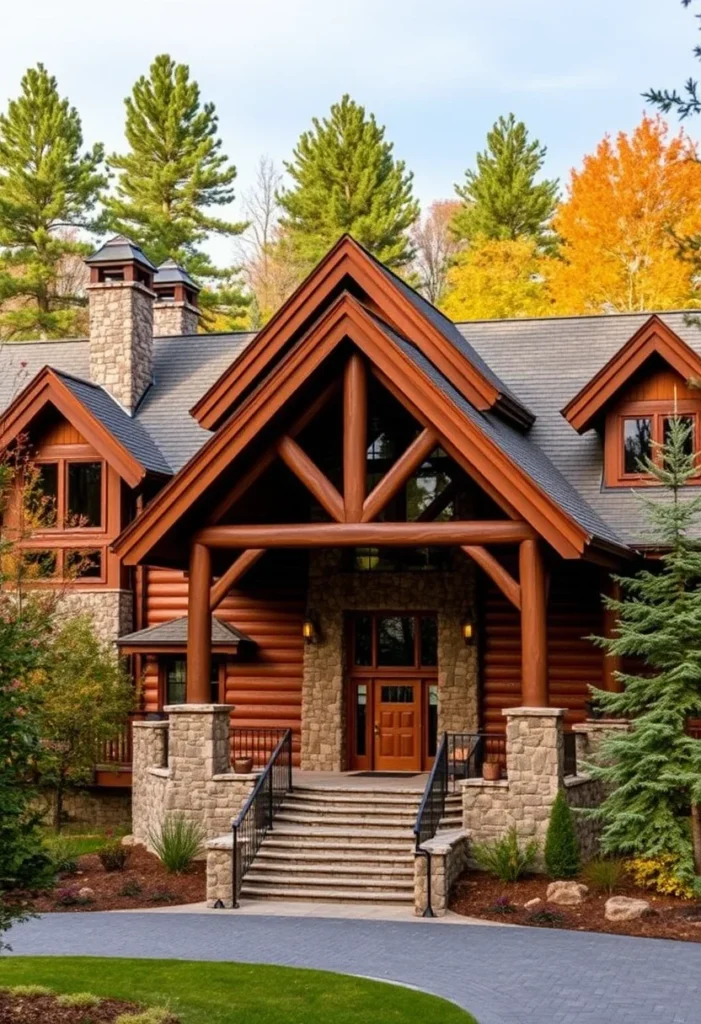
(501, 199)
(172, 177)
(48, 188)
(561, 843)
(346, 179)
(653, 772)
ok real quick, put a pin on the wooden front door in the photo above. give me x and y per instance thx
(392, 691)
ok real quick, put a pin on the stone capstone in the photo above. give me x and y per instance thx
(566, 893)
(625, 908)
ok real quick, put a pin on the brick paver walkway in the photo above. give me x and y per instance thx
(502, 975)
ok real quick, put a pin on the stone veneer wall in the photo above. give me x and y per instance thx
(535, 773)
(121, 339)
(448, 858)
(331, 594)
(196, 781)
(112, 610)
(174, 318)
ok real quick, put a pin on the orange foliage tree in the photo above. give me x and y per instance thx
(619, 224)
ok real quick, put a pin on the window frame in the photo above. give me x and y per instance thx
(62, 462)
(219, 662)
(658, 411)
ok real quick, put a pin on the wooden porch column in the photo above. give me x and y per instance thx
(199, 625)
(534, 649)
(355, 411)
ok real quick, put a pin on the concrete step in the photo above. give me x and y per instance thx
(365, 821)
(322, 855)
(355, 882)
(324, 894)
(331, 870)
(340, 840)
(352, 797)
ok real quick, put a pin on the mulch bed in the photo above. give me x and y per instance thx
(143, 883)
(45, 1010)
(476, 894)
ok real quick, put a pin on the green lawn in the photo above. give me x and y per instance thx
(225, 993)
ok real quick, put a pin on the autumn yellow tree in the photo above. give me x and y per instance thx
(499, 278)
(619, 221)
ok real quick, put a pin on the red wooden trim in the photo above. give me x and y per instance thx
(534, 647)
(653, 337)
(658, 411)
(199, 626)
(323, 535)
(488, 563)
(297, 460)
(355, 414)
(232, 575)
(395, 478)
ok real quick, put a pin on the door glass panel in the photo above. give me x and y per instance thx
(397, 694)
(363, 640)
(432, 720)
(637, 443)
(395, 640)
(361, 711)
(429, 640)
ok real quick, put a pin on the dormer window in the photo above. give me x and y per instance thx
(635, 431)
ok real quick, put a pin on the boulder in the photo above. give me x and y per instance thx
(625, 908)
(86, 893)
(130, 841)
(567, 894)
(532, 904)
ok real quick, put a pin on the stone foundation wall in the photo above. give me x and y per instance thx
(121, 339)
(171, 319)
(100, 807)
(111, 610)
(331, 594)
(196, 782)
(448, 858)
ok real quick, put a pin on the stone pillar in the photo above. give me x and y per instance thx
(198, 748)
(535, 766)
(149, 771)
(171, 319)
(121, 339)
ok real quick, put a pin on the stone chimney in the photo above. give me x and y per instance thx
(121, 299)
(175, 309)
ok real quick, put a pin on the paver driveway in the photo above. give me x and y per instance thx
(502, 975)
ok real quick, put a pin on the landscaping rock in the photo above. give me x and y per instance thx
(567, 894)
(86, 893)
(532, 904)
(129, 841)
(625, 908)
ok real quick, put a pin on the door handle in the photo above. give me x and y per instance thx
(377, 729)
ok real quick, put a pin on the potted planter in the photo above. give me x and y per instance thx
(491, 771)
(243, 765)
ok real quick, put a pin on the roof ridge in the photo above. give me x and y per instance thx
(575, 316)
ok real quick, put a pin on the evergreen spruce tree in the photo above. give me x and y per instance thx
(653, 772)
(501, 199)
(48, 188)
(561, 843)
(171, 179)
(346, 179)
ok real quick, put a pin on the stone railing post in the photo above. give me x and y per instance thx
(150, 743)
(535, 766)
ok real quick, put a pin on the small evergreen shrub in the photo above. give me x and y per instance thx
(113, 856)
(177, 843)
(603, 874)
(561, 843)
(78, 999)
(505, 858)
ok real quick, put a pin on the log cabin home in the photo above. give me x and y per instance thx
(365, 523)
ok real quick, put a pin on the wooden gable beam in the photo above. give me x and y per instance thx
(233, 574)
(297, 460)
(496, 572)
(333, 535)
(355, 415)
(395, 478)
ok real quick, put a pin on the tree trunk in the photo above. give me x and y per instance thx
(58, 805)
(696, 836)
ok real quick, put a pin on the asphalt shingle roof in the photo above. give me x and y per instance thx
(175, 632)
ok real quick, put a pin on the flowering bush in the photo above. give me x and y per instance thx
(660, 873)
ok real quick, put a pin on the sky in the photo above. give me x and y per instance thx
(436, 73)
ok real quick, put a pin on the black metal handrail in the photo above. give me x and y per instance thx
(469, 751)
(258, 744)
(256, 818)
(431, 811)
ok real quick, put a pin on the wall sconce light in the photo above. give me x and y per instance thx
(309, 631)
(468, 631)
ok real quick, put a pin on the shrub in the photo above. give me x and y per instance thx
(113, 856)
(561, 843)
(604, 874)
(502, 906)
(659, 873)
(547, 918)
(63, 853)
(30, 991)
(131, 888)
(177, 843)
(505, 858)
(78, 999)
(70, 897)
(163, 896)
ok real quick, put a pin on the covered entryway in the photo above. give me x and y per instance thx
(392, 691)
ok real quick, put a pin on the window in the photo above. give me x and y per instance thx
(45, 502)
(83, 565)
(175, 681)
(84, 502)
(636, 432)
(384, 640)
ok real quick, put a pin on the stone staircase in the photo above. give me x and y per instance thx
(342, 844)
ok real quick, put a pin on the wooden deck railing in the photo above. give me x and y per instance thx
(118, 751)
